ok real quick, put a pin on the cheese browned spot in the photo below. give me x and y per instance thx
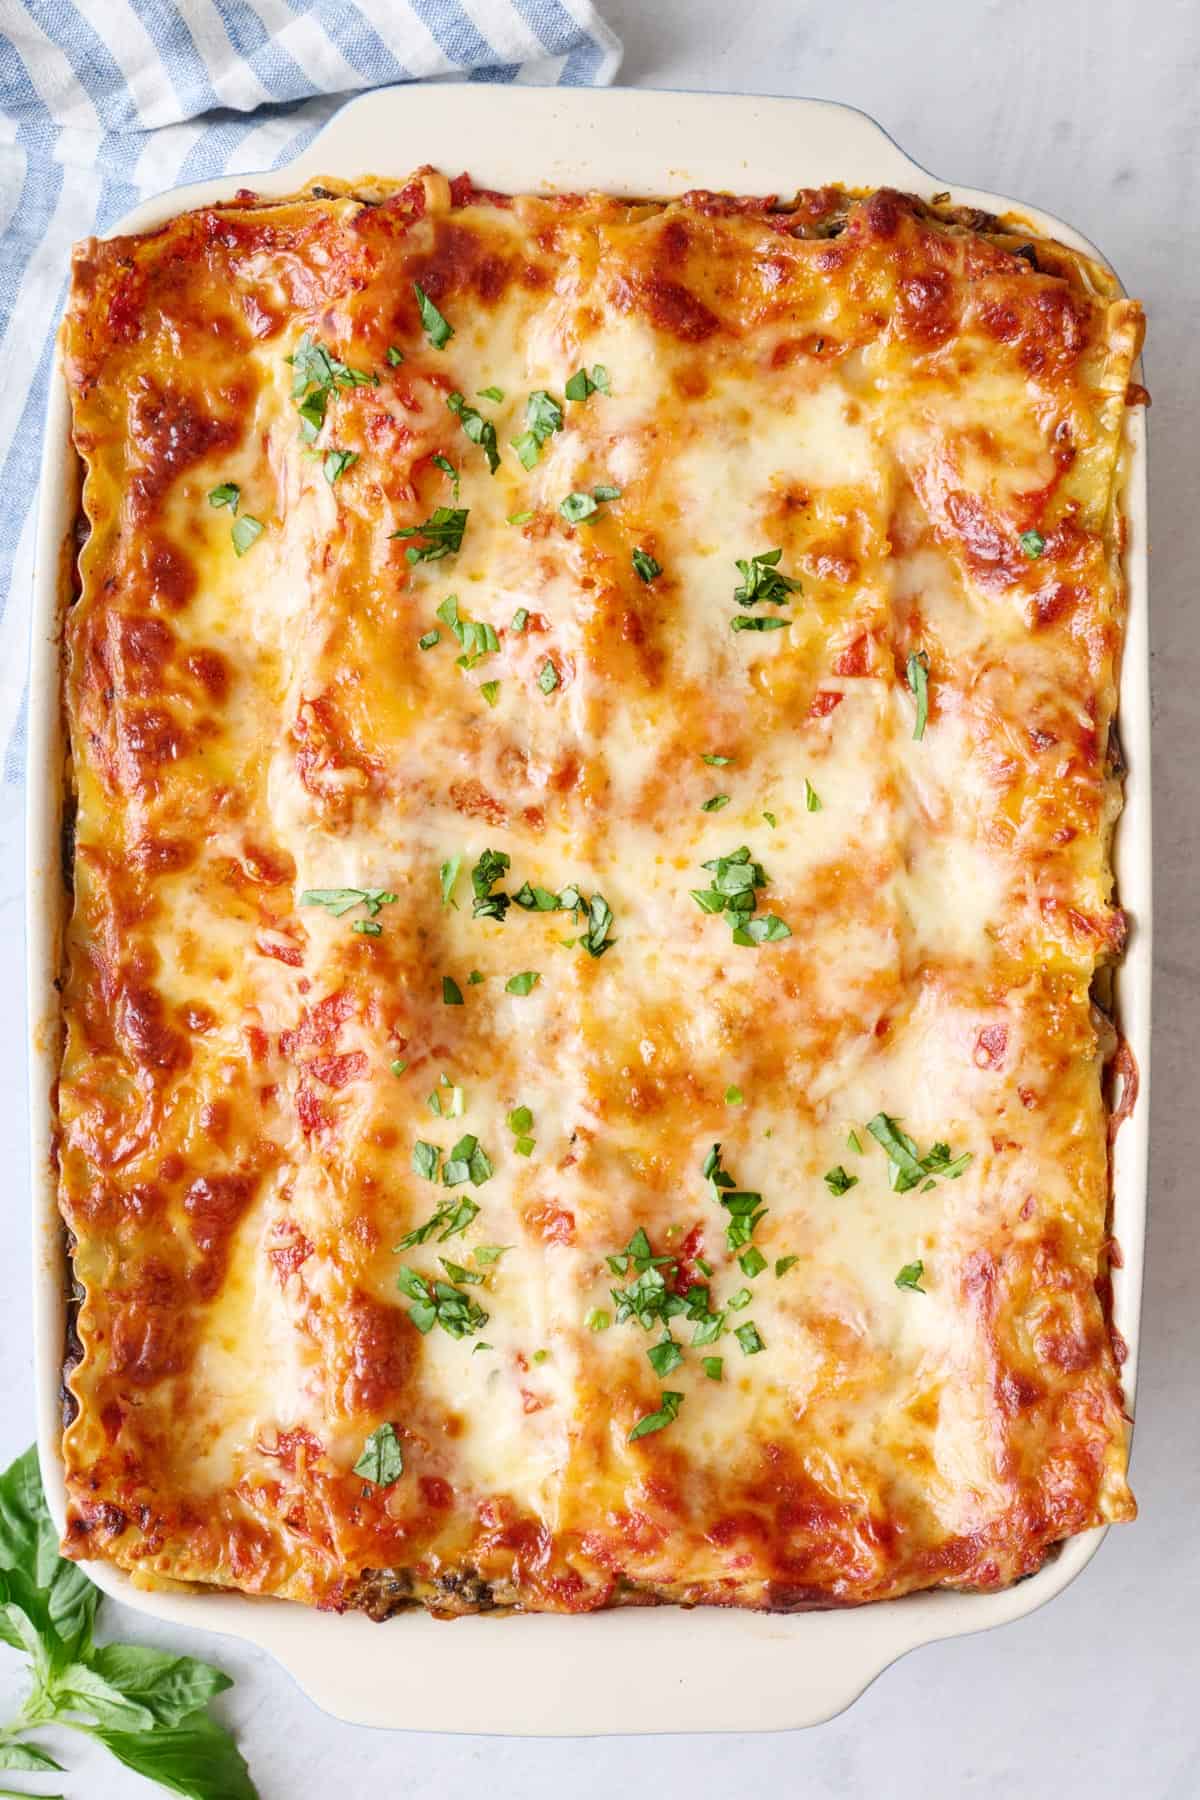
(894, 401)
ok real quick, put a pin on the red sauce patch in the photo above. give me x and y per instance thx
(991, 1046)
(824, 701)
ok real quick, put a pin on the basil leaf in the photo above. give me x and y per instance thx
(606, 492)
(577, 506)
(668, 1412)
(79, 1688)
(524, 983)
(734, 1095)
(1032, 543)
(713, 1367)
(665, 1356)
(451, 992)
(715, 802)
(910, 1277)
(520, 619)
(337, 462)
(717, 762)
(481, 431)
(492, 865)
(491, 393)
(598, 1319)
(448, 469)
(762, 580)
(747, 1336)
(756, 622)
(547, 677)
(367, 928)
(246, 531)
(395, 357)
(520, 1119)
(228, 493)
(783, 1264)
(339, 901)
(762, 930)
(647, 567)
(490, 691)
(838, 1182)
(485, 1254)
(906, 1168)
(436, 327)
(382, 1460)
(448, 875)
(812, 800)
(752, 1262)
(425, 1164)
(31, 1760)
(196, 1758)
(918, 681)
(428, 639)
(709, 1328)
(443, 533)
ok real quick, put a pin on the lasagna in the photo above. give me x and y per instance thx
(586, 1076)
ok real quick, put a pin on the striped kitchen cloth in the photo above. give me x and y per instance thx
(103, 102)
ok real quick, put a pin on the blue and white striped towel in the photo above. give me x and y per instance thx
(104, 104)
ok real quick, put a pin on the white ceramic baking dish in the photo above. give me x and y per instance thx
(603, 1672)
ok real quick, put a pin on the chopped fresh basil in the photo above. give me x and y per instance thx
(708, 1327)
(381, 1461)
(734, 1096)
(668, 1412)
(436, 327)
(490, 691)
(521, 518)
(456, 1272)
(428, 639)
(448, 875)
(520, 619)
(449, 1220)
(477, 638)
(763, 580)
(772, 821)
(443, 533)
(717, 762)
(451, 992)
(739, 1301)
(715, 803)
(765, 929)
(918, 681)
(394, 357)
(752, 1262)
(547, 677)
(339, 901)
(713, 1366)
(598, 1319)
(316, 377)
(646, 566)
(398, 1067)
(524, 983)
(1032, 543)
(910, 1277)
(783, 1264)
(246, 531)
(337, 462)
(854, 1142)
(439, 1303)
(812, 800)
(487, 1254)
(583, 383)
(491, 393)
(838, 1182)
(425, 1159)
(481, 431)
(520, 1119)
(227, 494)
(448, 469)
(475, 977)
(665, 1356)
(490, 868)
(579, 506)
(747, 1336)
(745, 1208)
(756, 622)
(367, 927)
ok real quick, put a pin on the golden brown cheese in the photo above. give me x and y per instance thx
(923, 414)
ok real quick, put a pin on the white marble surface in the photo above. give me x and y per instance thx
(1091, 108)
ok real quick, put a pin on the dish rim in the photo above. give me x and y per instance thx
(416, 1672)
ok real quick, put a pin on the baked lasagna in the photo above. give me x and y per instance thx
(585, 1073)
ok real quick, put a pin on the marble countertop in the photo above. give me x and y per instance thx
(1091, 109)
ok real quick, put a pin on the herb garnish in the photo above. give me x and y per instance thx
(668, 1412)
(906, 1168)
(1032, 543)
(381, 1461)
(436, 327)
(910, 1277)
(439, 1303)
(491, 393)
(812, 800)
(487, 872)
(443, 533)
(316, 377)
(490, 691)
(579, 506)
(337, 462)
(428, 639)
(451, 1218)
(477, 638)
(148, 1707)
(543, 417)
(447, 876)
(646, 566)
(227, 494)
(747, 1336)
(394, 357)
(246, 531)
(838, 1182)
(713, 1366)
(451, 992)
(746, 1210)
(547, 677)
(481, 431)
(735, 880)
(520, 1123)
(339, 901)
(714, 803)
(583, 382)
(918, 681)
(762, 579)
(448, 469)
(524, 983)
